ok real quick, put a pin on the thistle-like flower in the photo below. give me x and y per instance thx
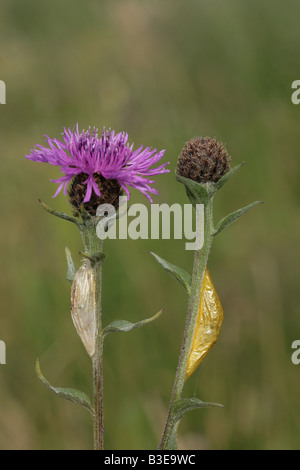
(99, 169)
(96, 170)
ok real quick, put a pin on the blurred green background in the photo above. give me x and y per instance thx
(164, 71)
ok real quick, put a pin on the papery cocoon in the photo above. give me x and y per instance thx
(208, 324)
(83, 306)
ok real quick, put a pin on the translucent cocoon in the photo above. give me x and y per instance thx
(83, 307)
(208, 325)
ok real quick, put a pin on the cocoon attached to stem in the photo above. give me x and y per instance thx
(203, 167)
(96, 169)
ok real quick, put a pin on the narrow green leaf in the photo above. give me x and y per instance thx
(196, 192)
(233, 216)
(93, 257)
(61, 215)
(179, 408)
(71, 268)
(219, 184)
(123, 326)
(180, 274)
(70, 394)
(85, 215)
(189, 404)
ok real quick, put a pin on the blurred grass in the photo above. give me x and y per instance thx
(164, 72)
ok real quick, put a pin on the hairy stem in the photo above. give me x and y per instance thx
(98, 396)
(200, 261)
(93, 250)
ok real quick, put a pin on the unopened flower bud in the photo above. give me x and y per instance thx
(203, 160)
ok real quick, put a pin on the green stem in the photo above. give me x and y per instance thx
(93, 249)
(98, 396)
(200, 262)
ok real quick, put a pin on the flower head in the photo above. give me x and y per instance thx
(99, 168)
(203, 160)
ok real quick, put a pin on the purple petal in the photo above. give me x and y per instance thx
(110, 155)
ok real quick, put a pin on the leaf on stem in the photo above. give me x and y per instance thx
(123, 326)
(71, 268)
(233, 216)
(93, 257)
(188, 404)
(180, 274)
(219, 184)
(180, 407)
(61, 215)
(70, 394)
(196, 192)
(85, 215)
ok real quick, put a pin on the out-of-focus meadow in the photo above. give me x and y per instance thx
(164, 71)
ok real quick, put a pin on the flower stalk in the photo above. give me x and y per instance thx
(203, 167)
(93, 250)
(200, 262)
(96, 170)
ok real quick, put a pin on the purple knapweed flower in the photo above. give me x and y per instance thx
(97, 166)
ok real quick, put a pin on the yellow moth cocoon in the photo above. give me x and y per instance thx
(208, 324)
(83, 307)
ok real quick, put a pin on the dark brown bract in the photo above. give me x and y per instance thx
(110, 191)
(203, 160)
